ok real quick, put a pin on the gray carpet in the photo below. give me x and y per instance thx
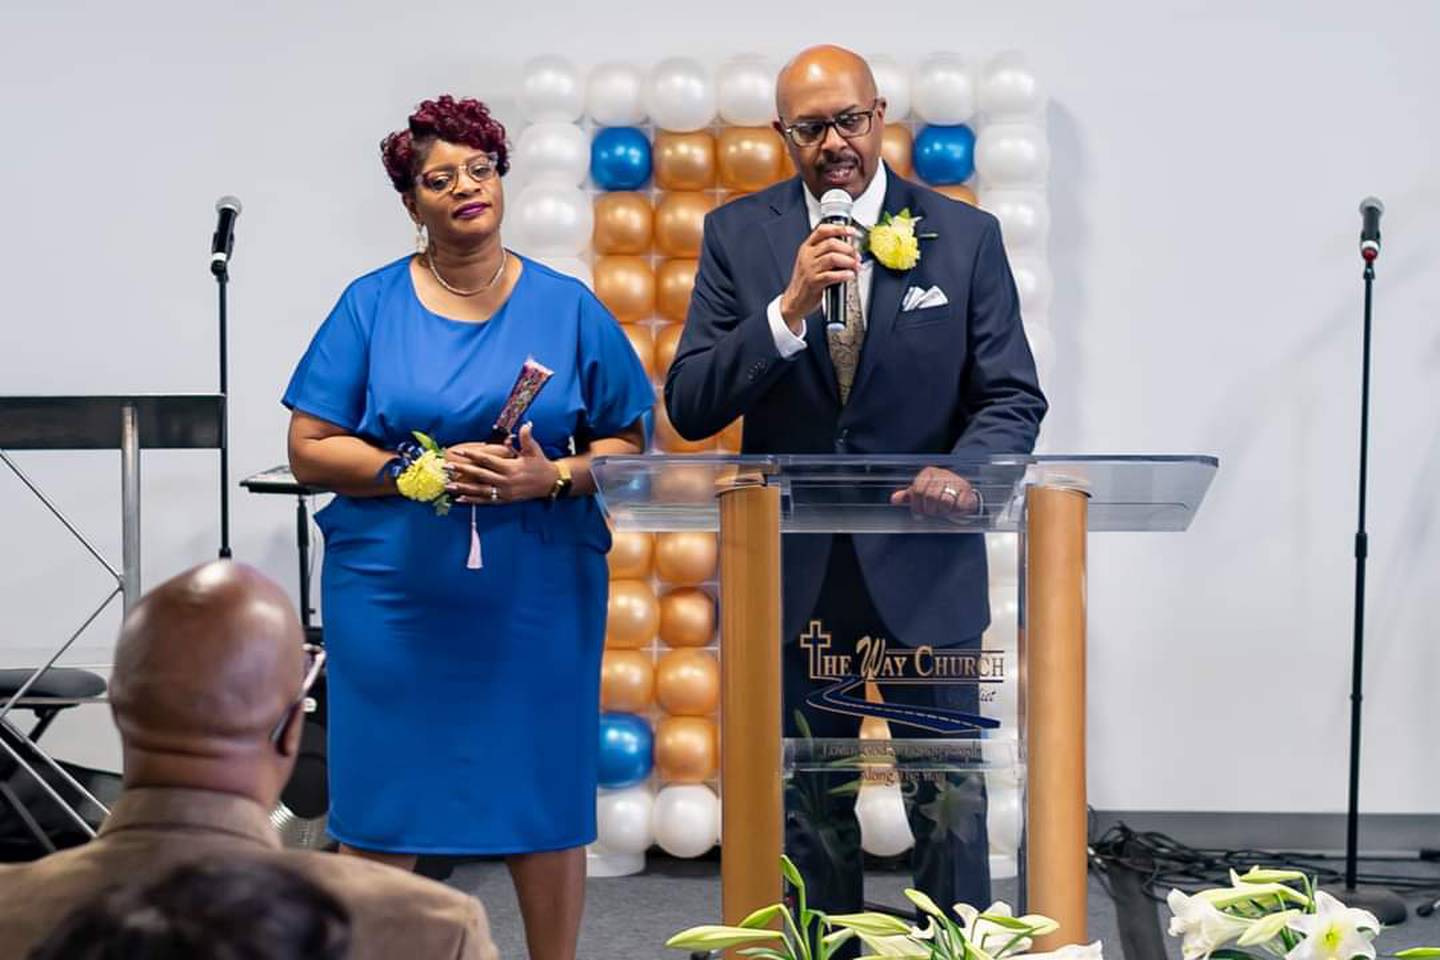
(631, 917)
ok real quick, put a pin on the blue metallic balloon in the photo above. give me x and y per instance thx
(626, 749)
(945, 155)
(620, 158)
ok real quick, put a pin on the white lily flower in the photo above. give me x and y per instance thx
(1071, 951)
(1334, 931)
(1203, 927)
(998, 931)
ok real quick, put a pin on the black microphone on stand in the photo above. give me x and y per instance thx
(223, 243)
(836, 207)
(1370, 210)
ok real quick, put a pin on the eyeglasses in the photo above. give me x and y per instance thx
(856, 123)
(445, 179)
(314, 661)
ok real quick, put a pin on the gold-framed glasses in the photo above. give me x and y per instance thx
(445, 179)
(314, 663)
(851, 124)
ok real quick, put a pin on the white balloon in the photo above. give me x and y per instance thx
(1003, 551)
(1005, 813)
(571, 267)
(1012, 155)
(615, 95)
(550, 89)
(884, 827)
(603, 862)
(680, 96)
(1003, 632)
(1024, 216)
(1009, 89)
(552, 152)
(745, 91)
(1033, 280)
(943, 90)
(892, 81)
(685, 819)
(552, 220)
(623, 819)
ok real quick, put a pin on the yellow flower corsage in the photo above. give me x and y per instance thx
(893, 241)
(419, 472)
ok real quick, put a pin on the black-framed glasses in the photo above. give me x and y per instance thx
(851, 124)
(314, 663)
(445, 179)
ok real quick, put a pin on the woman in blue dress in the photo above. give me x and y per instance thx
(463, 683)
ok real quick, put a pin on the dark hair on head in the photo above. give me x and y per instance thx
(235, 910)
(465, 121)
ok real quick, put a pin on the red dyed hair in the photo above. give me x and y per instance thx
(465, 121)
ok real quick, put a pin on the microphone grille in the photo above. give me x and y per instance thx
(835, 203)
(228, 201)
(1372, 203)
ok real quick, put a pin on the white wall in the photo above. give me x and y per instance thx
(1207, 162)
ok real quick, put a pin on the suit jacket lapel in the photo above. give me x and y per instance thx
(886, 287)
(785, 233)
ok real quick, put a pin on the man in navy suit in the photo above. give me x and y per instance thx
(930, 359)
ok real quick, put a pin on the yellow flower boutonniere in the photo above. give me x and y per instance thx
(894, 242)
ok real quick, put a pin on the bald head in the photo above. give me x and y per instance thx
(823, 83)
(207, 664)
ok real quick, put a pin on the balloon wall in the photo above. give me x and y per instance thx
(617, 167)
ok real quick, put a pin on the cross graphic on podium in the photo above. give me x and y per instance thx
(824, 666)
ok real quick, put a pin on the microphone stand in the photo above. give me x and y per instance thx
(1384, 903)
(221, 270)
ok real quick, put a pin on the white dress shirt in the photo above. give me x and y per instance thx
(865, 212)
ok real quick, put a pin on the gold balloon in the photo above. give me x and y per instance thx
(630, 555)
(644, 343)
(687, 749)
(787, 164)
(683, 161)
(687, 618)
(622, 223)
(674, 279)
(634, 615)
(687, 683)
(958, 191)
(749, 157)
(686, 558)
(897, 148)
(667, 339)
(670, 441)
(730, 437)
(685, 484)
(626, 286)
(627, 680)
(679, 224)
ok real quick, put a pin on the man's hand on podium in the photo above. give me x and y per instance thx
(936, 492)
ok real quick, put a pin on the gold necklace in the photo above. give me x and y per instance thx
(430, 262)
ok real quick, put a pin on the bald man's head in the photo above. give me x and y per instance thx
(207, 665)
(826, 83)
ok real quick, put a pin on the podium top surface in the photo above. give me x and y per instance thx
(851, 494)
(165, 421)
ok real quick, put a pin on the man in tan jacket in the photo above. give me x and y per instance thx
(207, 691)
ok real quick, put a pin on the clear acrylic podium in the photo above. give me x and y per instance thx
(1050, 502)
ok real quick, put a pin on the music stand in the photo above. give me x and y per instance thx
(279, 480)
(130, 424)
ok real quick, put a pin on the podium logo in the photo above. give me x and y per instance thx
(875, 660)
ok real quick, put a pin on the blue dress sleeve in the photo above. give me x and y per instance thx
(616, 389)
(330, 380)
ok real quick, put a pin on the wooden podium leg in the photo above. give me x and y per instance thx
(752, 811)
(1055, 710)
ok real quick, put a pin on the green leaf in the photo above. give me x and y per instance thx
(829, 942)
(875, 924)
(717, 937)
(1229, 954)
(425, 441)
(924, 903)
(1267, 875)
(762, 917)
(791, 872)
(1418, 952)
(768, 953)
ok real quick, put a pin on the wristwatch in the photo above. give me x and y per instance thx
(563, 482)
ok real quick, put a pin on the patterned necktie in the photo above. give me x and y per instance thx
(845, 341)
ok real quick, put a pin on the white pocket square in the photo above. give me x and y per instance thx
(918, 299)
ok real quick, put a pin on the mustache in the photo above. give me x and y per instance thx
(829, 159)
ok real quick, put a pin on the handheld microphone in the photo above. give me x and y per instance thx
(835, 207)
(223, 243)
(1370, 210)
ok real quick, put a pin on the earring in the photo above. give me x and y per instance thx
(422, 239)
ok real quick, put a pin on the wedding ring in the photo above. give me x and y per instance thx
(494, 494)
(952, 492)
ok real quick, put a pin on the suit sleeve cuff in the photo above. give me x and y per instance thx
(785, 339)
